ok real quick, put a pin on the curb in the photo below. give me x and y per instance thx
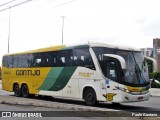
(48, 104)
(64, 106)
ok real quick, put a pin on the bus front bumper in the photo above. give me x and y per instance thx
(128, 97)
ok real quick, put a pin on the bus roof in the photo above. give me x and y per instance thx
(64, 47)
(112, 45)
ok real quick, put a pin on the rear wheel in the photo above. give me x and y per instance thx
(25, 91)
(90, 97)
(16, 90)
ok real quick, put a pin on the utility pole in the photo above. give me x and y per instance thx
(62, 27)
(8, 6)
(9, 27)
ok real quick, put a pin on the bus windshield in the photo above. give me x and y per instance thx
(136, 69)
(136, 72)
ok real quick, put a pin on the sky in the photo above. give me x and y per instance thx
(38, 23)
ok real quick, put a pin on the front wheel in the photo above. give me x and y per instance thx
(90, 97)
(25, 91)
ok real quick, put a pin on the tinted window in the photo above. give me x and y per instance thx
(83, 58)
(64, 58)
(5, 61)
(111, 70)
(99, 51)
(77, 57)
(40, 60)
(10, 61)
(23, 60)
(15, 61)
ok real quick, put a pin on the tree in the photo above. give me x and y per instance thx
(150, 66)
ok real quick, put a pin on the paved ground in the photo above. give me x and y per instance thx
(8, 98)
(155, 91)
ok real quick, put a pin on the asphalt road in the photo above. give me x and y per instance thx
(56, 114)
(151, 106)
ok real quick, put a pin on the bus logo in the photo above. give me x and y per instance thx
(109, 96)
(28, 72)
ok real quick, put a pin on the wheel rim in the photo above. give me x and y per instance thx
(16, 90)
(90, 97)
(25, 91)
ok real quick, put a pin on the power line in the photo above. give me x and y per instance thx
(64, 3)
(15, 5)
(43, 9)
(7, 3)
(55, 6)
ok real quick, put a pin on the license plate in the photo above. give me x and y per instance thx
(140, 98)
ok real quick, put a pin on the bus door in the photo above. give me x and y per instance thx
(112, 94)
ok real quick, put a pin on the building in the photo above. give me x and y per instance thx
(156, 51)
(147, 51)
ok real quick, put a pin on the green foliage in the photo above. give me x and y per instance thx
(155, 85)
(151, 75)
(155, 75)
(150, 66)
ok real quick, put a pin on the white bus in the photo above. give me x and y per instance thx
(92, 71)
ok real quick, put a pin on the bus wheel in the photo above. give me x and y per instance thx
(25, 91)
(16, 90)
(90, 97)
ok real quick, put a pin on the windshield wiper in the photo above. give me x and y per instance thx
(139, 73)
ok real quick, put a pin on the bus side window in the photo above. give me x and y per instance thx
(64, 58)
(60, 61)
(71, 61)
(10, 61)
(80, 61)
(15, 61)
(84, 58)
(22, 61)
(30, 60)
(36, 61)
(5, 61)
(50, 61)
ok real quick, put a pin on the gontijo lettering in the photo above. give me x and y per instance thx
(28, 72)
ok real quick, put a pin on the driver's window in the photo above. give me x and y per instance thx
(111, 70)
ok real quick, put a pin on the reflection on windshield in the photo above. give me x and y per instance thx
(133, 75)
(140, 61)
(136, 72)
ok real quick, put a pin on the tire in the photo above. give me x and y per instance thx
(17, 90)
(25, 91)
(90, 97)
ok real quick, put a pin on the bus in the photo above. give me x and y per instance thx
(93, 72)
(0, 73)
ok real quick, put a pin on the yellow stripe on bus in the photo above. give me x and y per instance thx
(134, 89)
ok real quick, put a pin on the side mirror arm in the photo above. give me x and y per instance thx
(154, 63)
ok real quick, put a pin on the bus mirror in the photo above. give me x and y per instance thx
(154, 63)
(119, 58)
